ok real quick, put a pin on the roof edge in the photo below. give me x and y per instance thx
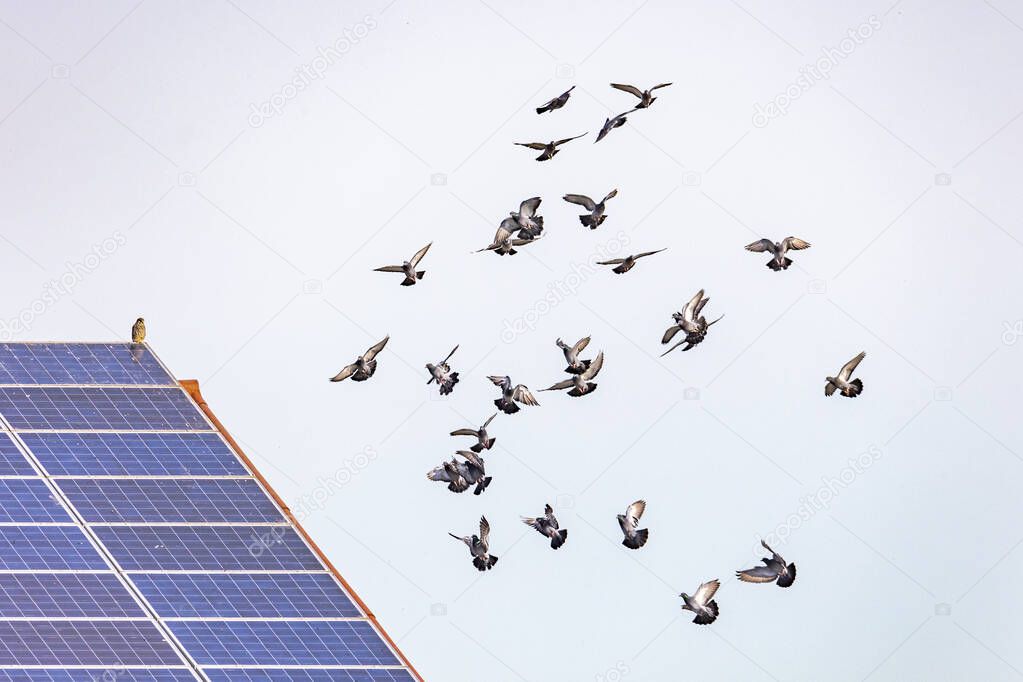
(191, 387)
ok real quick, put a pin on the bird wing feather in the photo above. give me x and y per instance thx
(761, 245)
(631, 89)
(419, 255)
(376, 348)
(850, 367)
(580, 199)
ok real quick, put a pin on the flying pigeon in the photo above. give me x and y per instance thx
(450, 473)
(772, 570)
(646, 97)
(691, 322)
(850, 389)
(627, 263)
(580, 383)
(460, 475)
(612, 123)
(548, 149)
(483, 439)
(548, 525)
(557, 102)
(442, 374)
(779, 262)
(408, 268)
(138, 331)
(511, 394)
(634, 539)
(365, 366)
(702, 603)
(504, 244)
(479, 547)
(528, 224)
(575, 365)
(596, 216)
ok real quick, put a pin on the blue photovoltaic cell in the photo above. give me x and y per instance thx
(65, 595)
(258, 643)
(47, 548)
(170, 501)
(133, 454)
(205, 548)
(12, 462)
(307, 675)
(97, 642)
(24, 500)
(195, 595)
(131, 409)
(80, 363)
(100, 675)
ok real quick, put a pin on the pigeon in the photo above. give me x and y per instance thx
(504, 244)
(627, 263)
(450, 473)
(779, 262)
(548, 525)
(774, 569)
(646, 97)
(580, 383)
(596, 216)
(548, 149)
(138, 331)
(556, 103)
(442, 374)
(575, 365)
(702, 603)
(691, 322)
(408, 268)
(634, 539)
(528, 224)
(473, 471)
(365, 366)
(850, 389)
(511, 394)
(612, 123)
(479, 547)
(483, 439)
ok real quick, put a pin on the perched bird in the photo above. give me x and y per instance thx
(646, 97)
(511, 394)
(772, 570)
(138, 331)
(596, 216)
(556, 103)
(442, 374)
(634, 539)
(504, 244)
(702, 603)
(483, 439)
(612, 123)
(479, 546)
(627, 263)
(365, 366)
(460, 475)
(548, 525)
(850, 389)
(779, 262)
(408, 268)
(527, 222)
(691, 322)
(548, 149)
(575, 365)
(580, 383)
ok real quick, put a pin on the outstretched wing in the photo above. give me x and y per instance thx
(760, 574)
(549, 515)
(761, 245)
(464, 432)
(484, 533)
(796, 244)
(635, 511)
(705, 592)
(670, 332)
(419, 255)
(527, 208)
(610, 195)
(580, 199)
(373, 350)
(532, 145)
(522, 395)
(445, 360)
(344, 373)
(561, 385)
(829, 389)
(616, 261)
(774, 555)
(487, 422)
(580, 345)
(850, 367)
(389, 268)
(499, 381)
(568, 139)
(647, 253)
(439, 474)
(690, 309)
(594, 367)
(661, 85)
(631, 89)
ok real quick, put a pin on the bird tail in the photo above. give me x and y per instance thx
(785, 263)
(482, 485)
(449, 384)
(541, 110)
(590, 388)
(587, 220)
(788, 579)
(559, 538)
(621, 269)
(705, 619)
(855, 388)
(506, 406)
(482, 565)
(579, 368)
(637, 540)
(408, 281)
(773, 264)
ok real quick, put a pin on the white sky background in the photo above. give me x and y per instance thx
(249, 251)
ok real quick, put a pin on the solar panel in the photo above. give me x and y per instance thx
(80, 363)
(147, 550)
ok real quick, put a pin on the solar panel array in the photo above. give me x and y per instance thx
(136, 545)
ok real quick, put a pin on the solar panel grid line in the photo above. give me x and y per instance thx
(9, 524)
(80, 364)
(153, 571)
